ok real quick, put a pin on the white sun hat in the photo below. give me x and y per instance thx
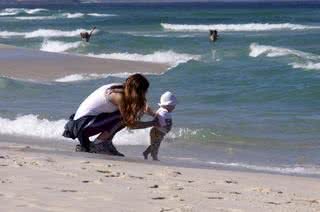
(167, 99)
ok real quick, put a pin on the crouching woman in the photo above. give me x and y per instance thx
(106, 111)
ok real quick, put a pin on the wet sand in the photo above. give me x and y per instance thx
(46, 175)
(27, 64)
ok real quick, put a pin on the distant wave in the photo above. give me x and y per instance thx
(282, 170)
(73, 15)
(58, 46)
(16, 11)
(44, 33)
(92, 76)
(307, 65)
(35, 17)
(7, 34)
(32, 125)
(167, 57)
(309, 61)
(235, 27)
(100, 14)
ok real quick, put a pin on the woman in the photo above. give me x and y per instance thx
(107, 110)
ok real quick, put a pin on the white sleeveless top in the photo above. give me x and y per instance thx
(97, 103)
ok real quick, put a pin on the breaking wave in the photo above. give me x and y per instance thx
(16, 11)
(35, 17)
(100, 15)
(235, 27)
(32, 125)
(73, 15)
(92, 76)
(166, 57)
(44, 33)
(309, 61)
(282, 170)
(58, 46)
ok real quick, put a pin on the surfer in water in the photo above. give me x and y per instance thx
(87, 35)
(213, 35)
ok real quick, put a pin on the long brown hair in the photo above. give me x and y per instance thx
(134, 99)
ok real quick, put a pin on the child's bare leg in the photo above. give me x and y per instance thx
(147, 152)
(149, 149)
(155, 145)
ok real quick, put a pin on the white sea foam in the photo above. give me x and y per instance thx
(84, 77)
(16, 11)
(73, 15)
(283, 170)
(273, 51)
(44, 33)
(32, 125)
(93, 76)
(311, 61)
(7, 34)
(33, 11)
(53, 33)
(101, 14)
(35, 17)
(235, 27)
(58, 46)
(307, 66)
(167, 57)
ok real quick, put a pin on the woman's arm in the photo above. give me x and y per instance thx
(145, 124)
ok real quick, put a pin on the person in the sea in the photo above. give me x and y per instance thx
(213, 35)
(106, 111)
(87, 35)
(167, 104)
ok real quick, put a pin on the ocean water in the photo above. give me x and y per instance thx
(249, 101)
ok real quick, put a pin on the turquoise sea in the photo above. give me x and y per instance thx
(249, 101)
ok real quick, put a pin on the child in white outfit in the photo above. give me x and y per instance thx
(167, 104)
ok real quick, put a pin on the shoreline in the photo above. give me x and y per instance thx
(29, 64)
(47, 175)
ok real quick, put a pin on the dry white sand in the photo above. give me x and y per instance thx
(30, 64)
(42, 175)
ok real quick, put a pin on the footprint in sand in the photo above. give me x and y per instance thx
(113, 175)
(273, 203)
(154, 186)
(231, 182)
(166, 209)
(217, 198)
(158, 198)
(235, 192)
(69, 190)
(136, 177)
(104, 171)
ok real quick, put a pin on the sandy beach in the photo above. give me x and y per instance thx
(27, 64)
(46, 175)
